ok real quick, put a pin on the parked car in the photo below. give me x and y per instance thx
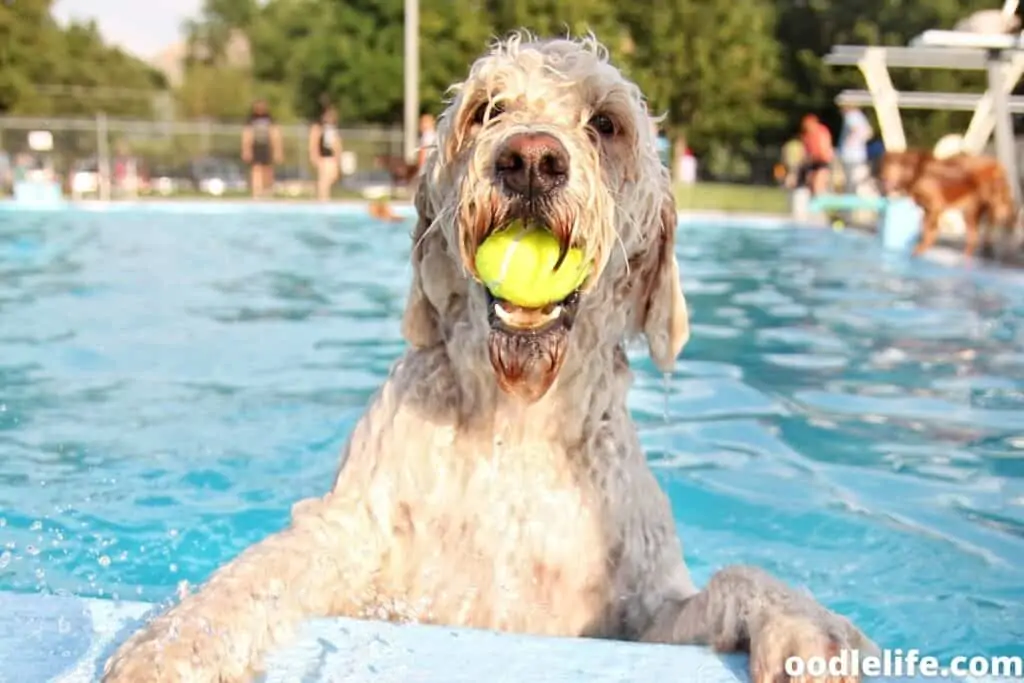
(293, 181)
(370, 184)
(216, 177)
(84, 177)
(166, 181)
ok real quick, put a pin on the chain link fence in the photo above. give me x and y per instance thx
(138, 157)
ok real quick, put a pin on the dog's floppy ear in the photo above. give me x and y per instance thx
(419, 322)
(666, 320)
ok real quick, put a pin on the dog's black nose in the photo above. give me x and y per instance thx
(532, 164)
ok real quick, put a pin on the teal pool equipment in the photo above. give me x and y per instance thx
(899, 220)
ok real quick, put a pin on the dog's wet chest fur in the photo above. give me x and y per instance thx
(525, 549)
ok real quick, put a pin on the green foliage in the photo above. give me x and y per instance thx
(47, 69)
(710, 67)
(452, 34)
(554, 17)
(733, 76)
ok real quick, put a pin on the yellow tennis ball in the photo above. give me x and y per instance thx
(517, 264)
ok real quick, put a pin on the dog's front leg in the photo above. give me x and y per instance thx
(744, 608)
(318, 566)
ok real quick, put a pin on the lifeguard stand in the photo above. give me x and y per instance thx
(1000, 55)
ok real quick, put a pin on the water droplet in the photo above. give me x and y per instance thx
(5, 559)
(63, 625)
(174, 568)
(36, 526)
(104, 561)
(666, 390)
(32, 550)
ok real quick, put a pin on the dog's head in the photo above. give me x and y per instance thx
(550, 133)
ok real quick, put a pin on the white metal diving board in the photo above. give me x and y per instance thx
(966, 39)
(928, 100)
(972, 59)
(1001, 55)
(982, 125)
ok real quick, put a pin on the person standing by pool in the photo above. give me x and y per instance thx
(325, 150)
(261, 147)
(817, 139)
(791, 161)
(853, 148)
(428, 138)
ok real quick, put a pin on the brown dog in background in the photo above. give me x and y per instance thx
(975, 185)
(401, 171)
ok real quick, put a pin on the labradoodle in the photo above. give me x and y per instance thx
(496, 479)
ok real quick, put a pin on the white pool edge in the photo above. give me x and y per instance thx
(344, 207)
(66, 639)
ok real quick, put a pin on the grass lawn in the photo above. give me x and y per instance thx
(728, 197)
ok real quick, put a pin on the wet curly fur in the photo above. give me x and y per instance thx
(523, 505)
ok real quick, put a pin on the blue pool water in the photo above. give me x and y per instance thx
(171, 384)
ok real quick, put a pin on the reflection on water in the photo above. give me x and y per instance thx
(851, 421)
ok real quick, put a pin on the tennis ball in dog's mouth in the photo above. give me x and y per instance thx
(517, 264)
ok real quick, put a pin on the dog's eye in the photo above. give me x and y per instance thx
(480, 113)
(603, 125)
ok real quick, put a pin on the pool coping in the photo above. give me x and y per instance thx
(67, 639)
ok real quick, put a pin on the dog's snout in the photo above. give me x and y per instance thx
(532, 164)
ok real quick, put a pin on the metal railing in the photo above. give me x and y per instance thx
(170, 148)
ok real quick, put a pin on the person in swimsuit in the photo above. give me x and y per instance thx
(428, 138)
(261, 148)
(817, 141)
(325, 151)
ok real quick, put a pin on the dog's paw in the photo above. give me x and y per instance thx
(165, 653)
(805, 637)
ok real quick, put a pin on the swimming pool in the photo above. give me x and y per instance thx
(170, 383)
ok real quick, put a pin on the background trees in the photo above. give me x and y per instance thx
(730, 75)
